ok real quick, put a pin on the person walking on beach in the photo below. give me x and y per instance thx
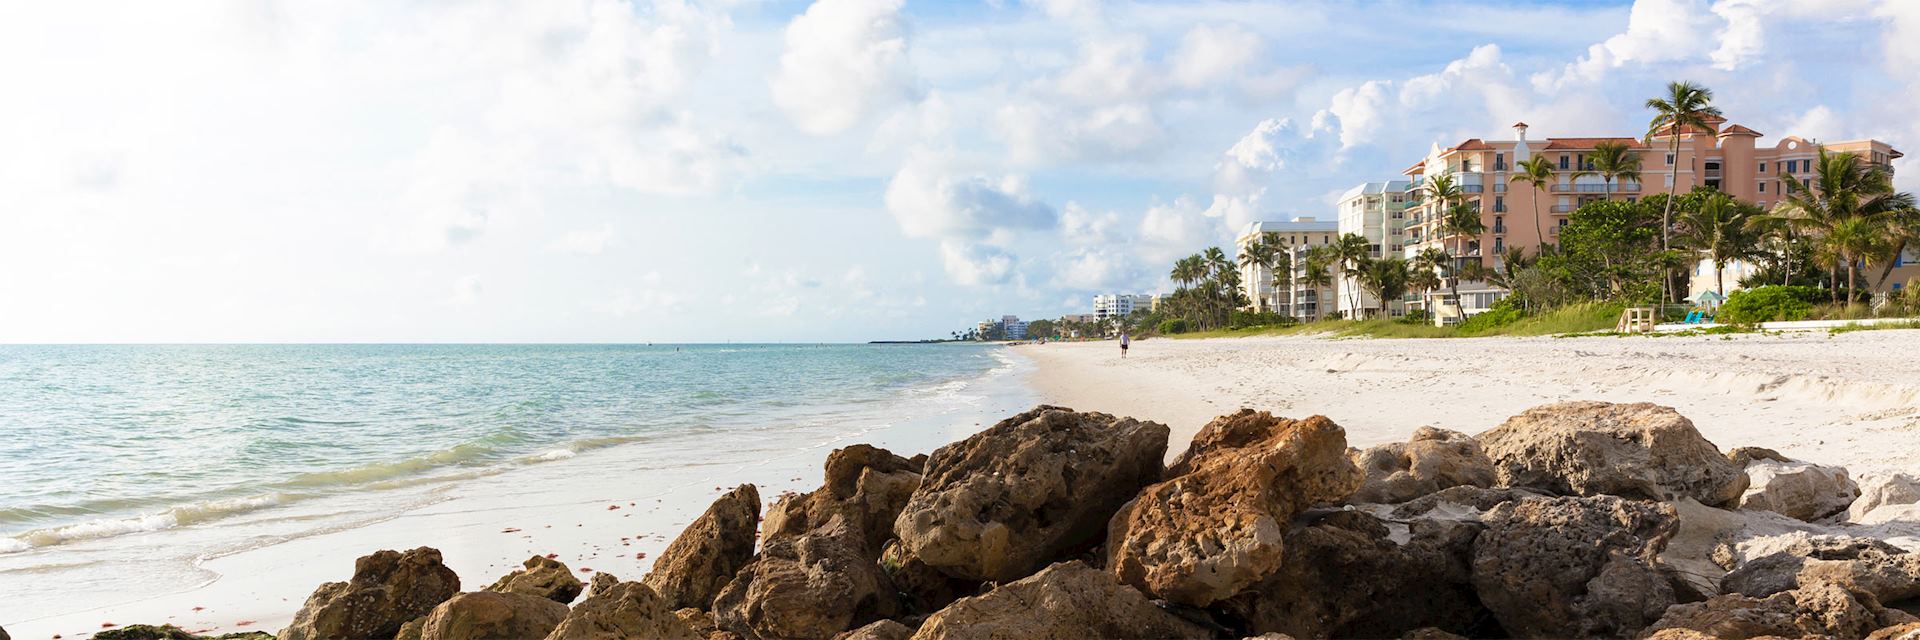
(1123, 344)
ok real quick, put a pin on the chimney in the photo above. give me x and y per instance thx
(1520, 129)
(1520, 151)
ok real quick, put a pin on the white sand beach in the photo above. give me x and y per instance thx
(1851, 399)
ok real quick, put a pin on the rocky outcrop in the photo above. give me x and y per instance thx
(1434, 459)
(1066, 600)
(865, 487)
(1215, 526)
(388, 588)
(1798, 490)
(1906, 631)
(541, 577)
(1888, 577)
(1039, 486)
(882, 630)
(1344, 576)
(1574, 567)
(807, 586)
(492, 614)
(1821, 610)
(702, 624)
(624, 610)
(699, 563)
(1883, 491)
(1639, 451)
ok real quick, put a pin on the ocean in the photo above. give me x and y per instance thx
(153, 459)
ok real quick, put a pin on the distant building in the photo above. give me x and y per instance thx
(1375, 211)
(1014, 327)
(1289, 294)
(1120, 305)
(1080, 317)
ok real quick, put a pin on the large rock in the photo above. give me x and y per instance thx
(1066, 600)
(865, 488)
(1884, 490)
(1779, 571)
(541, 577)
(807, 586)
(1345, 576)
(1640, 451)
(1821, 610)
(882, 630)
(1906, 631)
(622, 611)
(388, 588)
(491, 614)
(1216, 526)
(1574, 567)
(1799, 490)
(704, 558)
(1889, 578)
(1031, 489)
(1434, 459)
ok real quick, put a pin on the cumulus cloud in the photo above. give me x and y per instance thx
(1209, 54)
(972, 215)
(1174, 229)
(843, 58)
(1657, 31)
(975, 264)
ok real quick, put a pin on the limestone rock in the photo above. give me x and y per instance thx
(140, 632)
(1066, 600)
(492, 614)
(1889, 578)
(1818, 611)
(1217, 527)
(1640, 451)
(1462, 502)
(1430, 633)
(882, 630)
(1033, 488)
(625, 610)
(1798, 490)
(388, 588)
(1344, 576)
(1745, 455)
(1907, 631)
(701, 622)
(865, 487)
(1884, 490)
(1434, 459)
(807, 586)
(541, 577)
(706, 555)
(1574, 567)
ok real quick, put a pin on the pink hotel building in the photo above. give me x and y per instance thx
(1728, 157)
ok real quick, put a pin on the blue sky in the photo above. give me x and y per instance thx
(664, 170)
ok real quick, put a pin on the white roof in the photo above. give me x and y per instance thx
(1296, 225)
(1389, 186)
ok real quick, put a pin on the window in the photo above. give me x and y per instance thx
(1763, 187)
(1669, 160)
(1563, 161)
(1669, 178)
(1763, 167)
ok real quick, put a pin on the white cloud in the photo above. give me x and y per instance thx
(1657, 31)
(1175, 229)
(583, 243)
(843, 58)
(975, 264)
(929, 201)
(1209, 54)
(1083, 227)
(466, 290)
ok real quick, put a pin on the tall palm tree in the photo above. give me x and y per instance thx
(1612, 161)
(1386, 278)
(1536, 172)
(1686, 106)
(1843, 188)
(1319, 275)
(1462, 220)
(1857, 241)
(1903, 230)
(1349, 252)
(1723, 230)
(1219, 268)
(1257, 256)
(1186, 271)
(1434, 265)
(1282, 269)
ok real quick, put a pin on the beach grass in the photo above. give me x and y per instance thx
(1855, 326)
(1578, 318)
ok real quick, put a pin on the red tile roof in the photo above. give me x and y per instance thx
(1588, 143)
(1472, 144)
(1417, 166)
(1737, 130)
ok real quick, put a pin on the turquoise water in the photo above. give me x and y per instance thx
(101, 441)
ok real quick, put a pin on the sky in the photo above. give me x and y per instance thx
(834, 170)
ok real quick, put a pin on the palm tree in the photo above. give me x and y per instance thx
(1512, 259)
(1256, 256)
(1857, 241)
(1218, 268)
(1319, 275)
(1462, 220)
(1349, 252)
(1686, 105)
(1387, 279)
(1843, 188)
(1903, 230)
(1536, 172)
(1282, 269)
(1611, 161)
(1723, 230)
(1431, 267)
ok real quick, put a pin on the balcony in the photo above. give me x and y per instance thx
(1499, 187)
(1499, 228)
(1713, 173)
(1562, 208)
(1499, 207)
(1472, 188)
(1499, 166)
(1585, 188)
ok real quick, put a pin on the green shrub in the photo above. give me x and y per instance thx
(1501, 314)
(1766, 304)
(1176, 325)
(1245, 319)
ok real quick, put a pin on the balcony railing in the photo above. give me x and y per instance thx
(1499, 228)
(1713, 173)
(1499, 208)
(1472, 188)
(1562, 208)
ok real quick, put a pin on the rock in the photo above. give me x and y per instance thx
(923, 588)
(1884, 490)
(1349, 575)
(882, 630)
(1430, 633)
(412, 629)
(492, 614)
(807, 586)
(1744, 455)
(1463, 502)
(1889, 578)
(1907, 631)
(622, 611)
(541, 577)
(142, 632)
(1818, 611)
(1038, 486)
(388, 589)
(4, 636)
(1574, 567)
(706, 555)
(701, 622)
(602, 581)
(865, 487)
(1066, 600)
(1798, 490)
(1216, 527)
(1434, 459)
(1639, 451)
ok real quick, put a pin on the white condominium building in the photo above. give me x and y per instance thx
(1120, 305)
(1375, 211)
(1291, 237)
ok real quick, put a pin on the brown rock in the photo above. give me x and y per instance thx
(1862, 565)
(1885, 490)
(1466, 500)
(1639, 451)
(1430, 633)
(1574, 567)
(388, 588)
(1907, 631)
(1798, 490)
(492, 614)
(807, 586)
(625, 610)
(1816, 611)
(1066, 600)
(1216, 527)
(1035, 487)
(865, 487)
(1434, 459)
(923, 588)
(1744, 455)
(882, 630)
(706, 555)
(541, 577)
(1344, 576)
(412, 629)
